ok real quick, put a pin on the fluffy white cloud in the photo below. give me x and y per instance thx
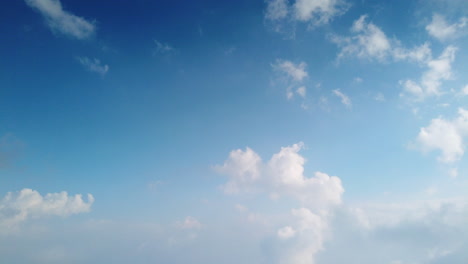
(315, 12)
(94, 65)
(446, 136)
(62, 21)
(25, 204)
(439, 69)
(440, 29)
(344, 98)
(368, 41)
(283, 176)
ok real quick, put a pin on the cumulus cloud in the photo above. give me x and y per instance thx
(94, 65)
(446, 136)
(62, 21)
(440, 29)
(344, 98)
(368, 41)
(29, 204)
(283, 176)
(439, 69)
(314, 12)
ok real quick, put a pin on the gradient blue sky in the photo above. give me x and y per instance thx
(292, 132)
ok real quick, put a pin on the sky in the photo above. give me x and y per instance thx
(249, 131)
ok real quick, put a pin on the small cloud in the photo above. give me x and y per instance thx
(94, 65)
(62, 21)
(189, 223)
(163, 48)
(286, 232)
(344, 98)
(431, 191)
(464, 90)
(295, 72)
(453, 173)
(230, 50)
(358, 80)
(301, 91)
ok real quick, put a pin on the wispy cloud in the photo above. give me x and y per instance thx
(63, 21)
(344, 98)
(94, 65)
(163, 48)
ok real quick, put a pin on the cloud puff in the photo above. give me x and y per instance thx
(439, 69)
(62, 21)
(447, 136)
(283, 176)
(293, 74)
(440, 29)
(26, 204)
(344, 98)
(315, 12)
(368, 41)
(296, 72)
(94, 65)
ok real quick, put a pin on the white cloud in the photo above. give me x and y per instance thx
(286, 232)
(358, 80)
(295, 72)
(283, 176)
(313, 12)
(319, 11)
(62, 21)
(277, 9)
(440, 29)
(26, 204)
(163, 47)
(447, 136)
(189, 223)
(301, 91)
(344, 98)
(439, 69)
(464, 90)
(368, 41)
(94, 65)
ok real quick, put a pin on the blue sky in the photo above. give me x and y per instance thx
(289, 132)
